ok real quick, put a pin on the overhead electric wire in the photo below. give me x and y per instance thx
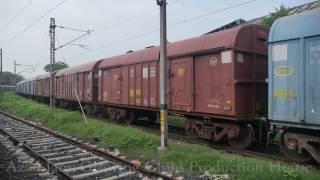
(15, 17)
(35, 22)
(88, 32)
(73, 29)
(42, 50)
(178, 23)
(128, 38)
(212, 12)
(132, 18)
(60, 48)
(128, 20)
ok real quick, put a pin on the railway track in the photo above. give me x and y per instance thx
(67, 158)
(272, 153)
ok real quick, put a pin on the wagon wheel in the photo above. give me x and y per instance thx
(244, 139)
(293, 154)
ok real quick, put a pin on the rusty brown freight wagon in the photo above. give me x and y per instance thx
(43, 85)
(216, 80)
(61, 84)
(78, 81)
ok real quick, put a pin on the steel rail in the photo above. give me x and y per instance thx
(222, 147)
(92, 149)
(36, 155)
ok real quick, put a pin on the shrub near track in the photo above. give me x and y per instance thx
(188, 159)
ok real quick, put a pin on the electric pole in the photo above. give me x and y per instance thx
(52, 62)
(1, 95)
(163, 75)
(15, 71)
(14, 66)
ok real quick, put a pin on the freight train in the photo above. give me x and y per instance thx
(223, 83)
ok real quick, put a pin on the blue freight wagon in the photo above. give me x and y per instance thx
(27, 87)
(294, 84)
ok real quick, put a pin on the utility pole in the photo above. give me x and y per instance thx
(14, 66)
(1, 94)
(52, 63)
(163, 75)
(15, 71)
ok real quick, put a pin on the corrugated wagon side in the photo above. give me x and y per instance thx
(294, 96)
(217, 81)
(43, 87)
(78, 82)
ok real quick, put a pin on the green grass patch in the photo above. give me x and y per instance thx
(176, 121)
(187, 158)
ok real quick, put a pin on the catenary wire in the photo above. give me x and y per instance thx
(118, 23)
(72, 29)
(174, 24)
(42, 50)
(60, 48)
(15, 17)
(35, 22)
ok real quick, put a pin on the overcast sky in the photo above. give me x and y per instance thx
(114, 34)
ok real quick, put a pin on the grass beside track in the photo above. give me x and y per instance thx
(183, 157)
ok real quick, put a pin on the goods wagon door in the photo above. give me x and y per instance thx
(87, 86)
(313, 84)
(80, 85)
(131, 84)
(124, 85)
(181, 84)
(116, 85)
(47, 87)
(138, 84)
(153, 102)
(145, 85)
(287, 81)
(214, 88)
(106, 88)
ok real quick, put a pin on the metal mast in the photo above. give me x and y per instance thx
(1, 95)
(52, 63)
(15, 64)
(14, 71)
(163, 74)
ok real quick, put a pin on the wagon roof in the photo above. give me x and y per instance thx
(21, 82)
(31, 78)
(221, 39)
(43, 76)
(62, 72)
(293, 27)
(79, 68)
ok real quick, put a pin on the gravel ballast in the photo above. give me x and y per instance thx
(12, 168)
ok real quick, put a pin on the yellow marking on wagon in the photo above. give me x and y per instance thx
(105, 95)
(180, 72)
(283, 94)
(131, 93)
(138, 92)
(284, 71)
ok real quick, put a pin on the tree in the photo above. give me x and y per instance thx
(268, 20)
(11, 79)
(58, 65)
